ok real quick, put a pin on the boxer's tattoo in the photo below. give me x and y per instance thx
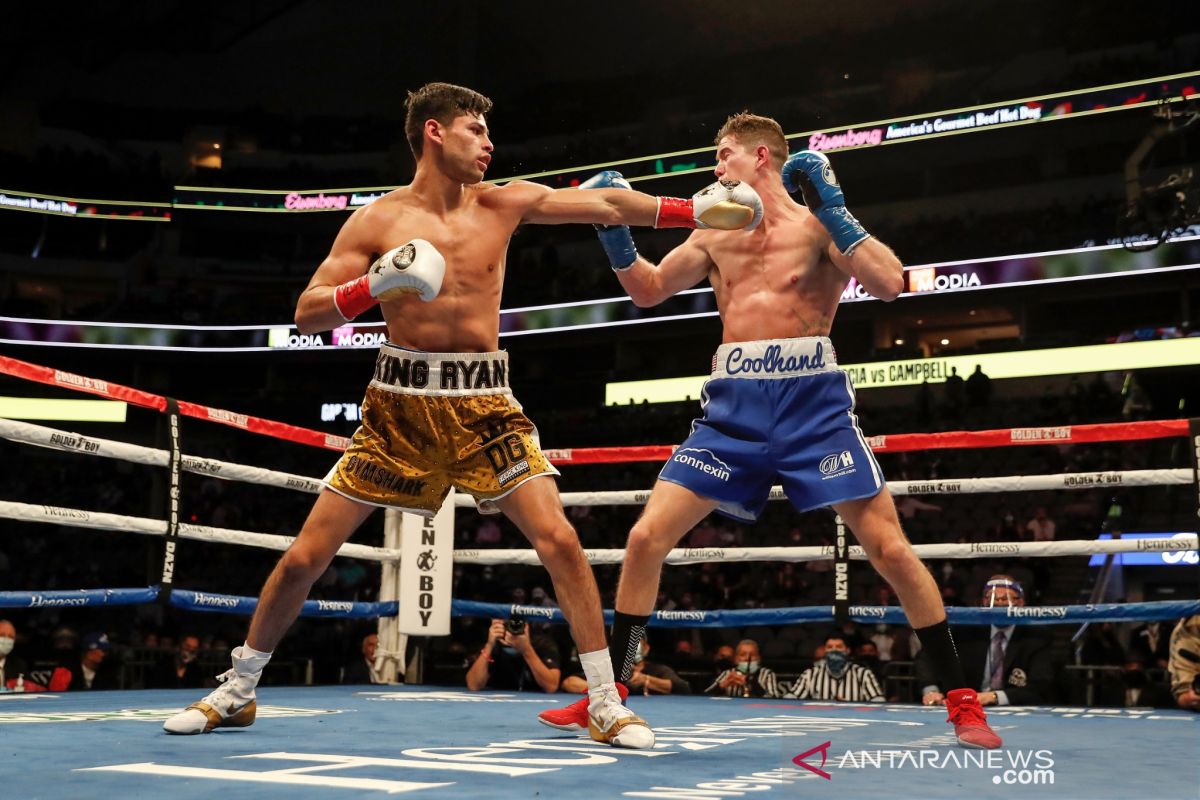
(807, 327)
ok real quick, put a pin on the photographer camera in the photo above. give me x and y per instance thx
(515, 658)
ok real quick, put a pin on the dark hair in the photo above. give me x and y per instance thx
(440, 101)
(839, 636)
(753, 130)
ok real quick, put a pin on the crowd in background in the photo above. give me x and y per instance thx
(145, 646)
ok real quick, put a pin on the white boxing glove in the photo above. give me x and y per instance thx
(725, 205)
(413, 268)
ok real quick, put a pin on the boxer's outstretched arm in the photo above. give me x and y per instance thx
(724, 206)
(874, 265)
(349, 258)
(649, 284)
(545, 206)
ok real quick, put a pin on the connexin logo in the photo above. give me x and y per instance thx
(719, 470)
(837, 464)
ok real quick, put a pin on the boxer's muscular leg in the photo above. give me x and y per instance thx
(877, 527)
(535, 508)
(670, 513)
(330, 523)
(232, 704)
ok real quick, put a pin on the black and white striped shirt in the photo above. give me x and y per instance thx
(762, 683)
(857, 685)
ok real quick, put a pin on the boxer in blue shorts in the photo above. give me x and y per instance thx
(776, 408)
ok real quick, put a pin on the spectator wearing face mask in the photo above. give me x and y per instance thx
(723, 658)
(13, 669)
(747, 677)
(836, 677)
(179, 670)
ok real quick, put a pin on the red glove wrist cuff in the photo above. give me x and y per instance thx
(353, 297)
(675, 212)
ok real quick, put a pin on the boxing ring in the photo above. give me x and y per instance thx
(336, 742)
(344, 741)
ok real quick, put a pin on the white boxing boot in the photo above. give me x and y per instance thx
(230, 705)
(612, 723)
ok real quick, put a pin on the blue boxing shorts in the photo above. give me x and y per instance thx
(776, 409)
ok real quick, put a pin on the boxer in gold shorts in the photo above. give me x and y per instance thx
(435, 420)
(439, 411)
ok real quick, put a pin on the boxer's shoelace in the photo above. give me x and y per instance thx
(967, 714)
(610, 707)
(225, 696)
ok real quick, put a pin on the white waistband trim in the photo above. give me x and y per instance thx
(774, 358)
(446, 374)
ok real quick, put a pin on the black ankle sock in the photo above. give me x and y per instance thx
(938, 642)
(626, 642)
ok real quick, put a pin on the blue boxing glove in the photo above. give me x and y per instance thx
(810, 173)
(615, 239)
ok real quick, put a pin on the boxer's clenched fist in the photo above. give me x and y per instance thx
(811, 174)
(726, 205)
(413, 268)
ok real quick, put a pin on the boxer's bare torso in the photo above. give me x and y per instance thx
(776, 281)
(473, 238)
(782, 280)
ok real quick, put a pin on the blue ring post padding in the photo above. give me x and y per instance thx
(79, 598)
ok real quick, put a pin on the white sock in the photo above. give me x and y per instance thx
(250, 652)
(597, 666)
(248, 662)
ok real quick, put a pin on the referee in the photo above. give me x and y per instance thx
(835, 678)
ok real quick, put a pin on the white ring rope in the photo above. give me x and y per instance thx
(88, 445)
(72, 442)
(156, 527)
(76, 443)
(699, 555)
(690, 555)
(1008, 483)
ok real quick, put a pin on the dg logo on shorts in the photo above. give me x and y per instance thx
(435, 420)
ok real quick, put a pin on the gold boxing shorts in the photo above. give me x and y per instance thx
(435, 420)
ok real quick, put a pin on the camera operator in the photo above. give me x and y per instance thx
(1185, 663)
(515, 658)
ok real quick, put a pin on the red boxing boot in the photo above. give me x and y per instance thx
(970, 723)
(575, 716)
